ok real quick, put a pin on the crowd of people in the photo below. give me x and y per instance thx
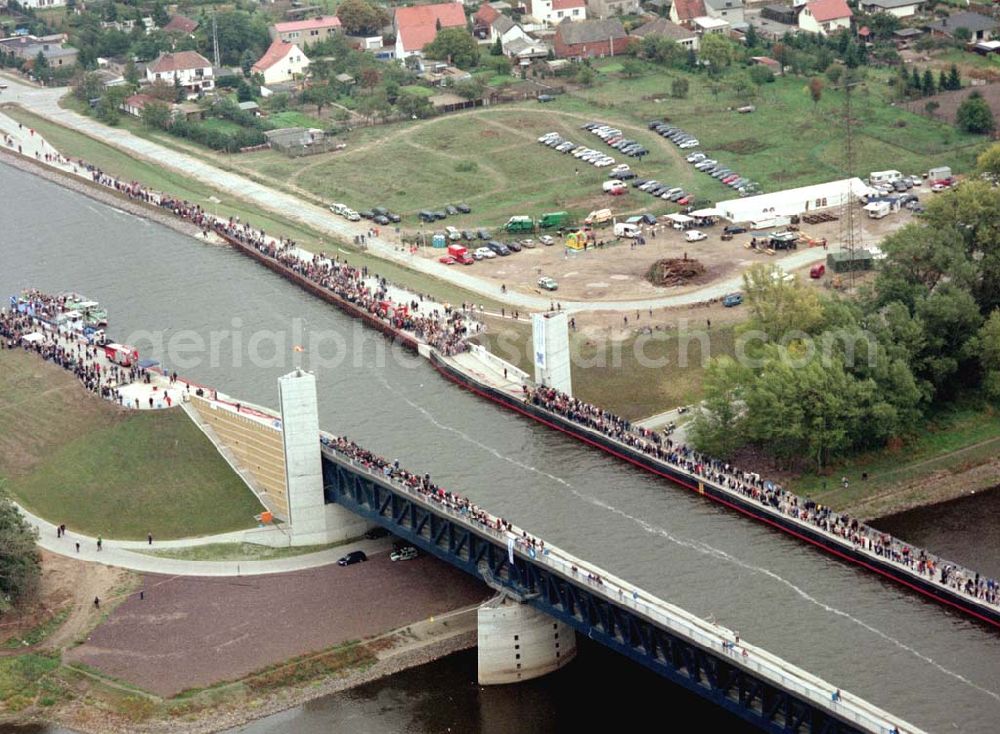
(752, 485)
(76, 356)
(423, 485)
(444, 328)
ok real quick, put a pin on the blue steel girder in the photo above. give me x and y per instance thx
(711, 673)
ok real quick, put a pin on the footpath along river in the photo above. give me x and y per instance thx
(908, 655)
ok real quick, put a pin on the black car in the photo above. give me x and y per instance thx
(351, 558)
(640, 152)
(734, 229)
(648, 218)
(639, 182)
(653, 124)
(468, 234)
(367, 214)
(483, 234)
(394, 218)
(513, 246)
(464, 208)
(498, 248)
(381, 219)
(451, 210)
(426, 216)
(379, 211)
(440, 215)
(626, 176)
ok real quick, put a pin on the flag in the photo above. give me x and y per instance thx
(510, 548)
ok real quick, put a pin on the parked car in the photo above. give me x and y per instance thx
(406, 553)
(694, 235)
(513, 246)
(545, 98)
(352, 216)
(353, 557)
(692, 143)
(447, 260)
(528, 243)
(484, 253)
(394, 218)
(547, 240)
(547, 283)
(732, 299)
(451, 210)
(734, 229)
(817, 271)
(483, 233)
(468, 234)
(464, 208)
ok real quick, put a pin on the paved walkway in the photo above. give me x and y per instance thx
(45, 102)
(125, 553)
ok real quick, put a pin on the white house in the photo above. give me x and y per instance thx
(188, 69)
(730, 11)
(707, 24)
(554, 12)
(825, 16)
(793, 201)
(282, 62)
(42, 3)
(899, 8)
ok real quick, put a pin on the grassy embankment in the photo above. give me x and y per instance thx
(123, 165)
(239, 551)
(74, 458)
(635, 377)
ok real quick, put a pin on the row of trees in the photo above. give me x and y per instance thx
(823, 376)
(913, 84)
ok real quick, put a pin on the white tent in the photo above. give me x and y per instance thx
(707, 213)
(793, 201)
(679, 218)
(33, 338)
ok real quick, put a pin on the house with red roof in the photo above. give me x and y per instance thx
(282, 62)
(306, 32)
(180, 24)
(825, 16)
(416, 26)
(555, 12)
(682, 12)
(484, 17)
(188, 69)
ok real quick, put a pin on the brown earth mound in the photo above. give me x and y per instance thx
(674, 271)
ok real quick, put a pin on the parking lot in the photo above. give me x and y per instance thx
(617, 271)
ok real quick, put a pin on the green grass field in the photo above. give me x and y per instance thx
(239, 552)
(75, 458)
(636, 378)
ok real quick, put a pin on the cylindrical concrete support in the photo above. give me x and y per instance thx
(518, 642)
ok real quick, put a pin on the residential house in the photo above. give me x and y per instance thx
(773, 64)
(590, 38)
(52, 48)
(482, 20)
(899, 8)
(980, 27)
(662, 27)
(523, 51)
(181, 25)
(282, 62)
(730, 11)
(188, 69)
(684, 11)
(42, 4)
(610, 8)
(825, 16)
(555, 12)
(306, 32)
(418, 25)
(134, 104)
(706, 24)
(506, 30)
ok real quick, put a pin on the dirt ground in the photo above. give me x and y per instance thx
(68, 584)
(194, 632)
(949, 102)
(617, 271)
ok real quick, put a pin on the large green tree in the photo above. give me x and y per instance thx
(20, 563)
(455, 45)
(974, 115)
(360, 17)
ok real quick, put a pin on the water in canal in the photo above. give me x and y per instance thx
(911, 656)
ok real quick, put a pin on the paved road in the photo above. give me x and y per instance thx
(45, 102)
(125, 553)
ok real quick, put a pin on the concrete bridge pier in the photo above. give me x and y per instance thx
(518, 642)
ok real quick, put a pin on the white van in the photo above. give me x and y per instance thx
(453, 234)
(598, 216)
(884, 177)
(627, 229)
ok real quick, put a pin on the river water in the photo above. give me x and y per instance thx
(908, 655)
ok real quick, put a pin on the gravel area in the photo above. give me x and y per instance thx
(191, 632)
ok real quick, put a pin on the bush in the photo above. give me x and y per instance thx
(761, 75)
